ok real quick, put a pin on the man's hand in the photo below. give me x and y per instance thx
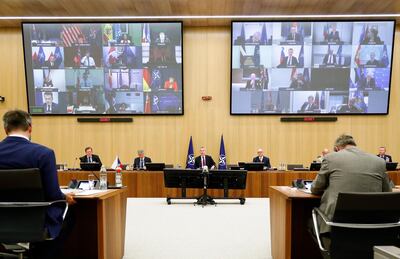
(70, 198)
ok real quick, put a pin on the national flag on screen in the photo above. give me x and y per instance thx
(154, 105)
(264, 37)
(108, 33)
(58, 56)
(146, 33)
(78, 78)
(147, 106)
(316, 99)
(222, 157)
(322, 101)
(190, 155)
(282, 58)
(71, 34)
(41, 56)
(146, 80)
(339, 55)
(301, 56)
(294, 72)
(363, 34)
(120, 82)
(326, 31)
(110, 79)
(35, 59)
(112, 56)
(155, 79)
(357, 56)
(128, 56)
(242, 46)
(384, 59)
(242, 33)
(117, 32)
(116, 163)
(306, 75)
(256, 56)
(266, 79)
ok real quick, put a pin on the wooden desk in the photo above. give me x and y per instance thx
(290, 211)
(151, 184)
(99, 230)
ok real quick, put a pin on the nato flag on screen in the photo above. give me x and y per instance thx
(222, 157)
(190, 155)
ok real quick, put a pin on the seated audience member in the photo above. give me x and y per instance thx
(141, 160)
(18, 152)
(90, 157)
(261, 158)
(204, 160)
(309, 105)
(324, 152)
(253, 83)
(382, 154)
(349, 169)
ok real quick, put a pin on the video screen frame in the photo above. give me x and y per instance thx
(269, 42)
(102, 22)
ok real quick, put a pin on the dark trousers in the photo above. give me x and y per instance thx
(51, 249)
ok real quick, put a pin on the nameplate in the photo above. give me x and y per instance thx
(105, 119)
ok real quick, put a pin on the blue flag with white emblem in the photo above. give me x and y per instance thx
(190, 155)
(222, 157)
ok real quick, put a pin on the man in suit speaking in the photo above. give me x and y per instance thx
(261, 158)
(382, 154)
(347, 170)
(141, 160)
(204, 160)
(90, 157)
(18, 152)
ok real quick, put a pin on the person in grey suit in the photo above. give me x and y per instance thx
(349, 169)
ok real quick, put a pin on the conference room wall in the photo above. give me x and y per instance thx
(165, 138)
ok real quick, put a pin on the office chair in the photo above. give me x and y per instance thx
(23, 209)
(360, 221)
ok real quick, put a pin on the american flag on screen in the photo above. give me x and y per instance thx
(72, 34)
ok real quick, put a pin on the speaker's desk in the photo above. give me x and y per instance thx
(99, 230)
(290, 210)
(147, 184)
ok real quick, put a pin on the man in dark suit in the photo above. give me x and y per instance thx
(333, 36)
(141, 160)
(17, 152)
(290, 60)
(204, 160)
(329, 58)
(347, 170)
(294, 35)
(382, 154)
(368, 82)
(372, 61)
(49, 106)
(261, 158)
(309, 105)
(90, 157)
(253, 83)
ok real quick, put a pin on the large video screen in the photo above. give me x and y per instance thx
(103, 68)
(306, 67)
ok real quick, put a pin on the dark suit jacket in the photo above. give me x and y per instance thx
(54, 108)
(368, 84)
(311, 108)
(209, 162)
(136, 163)
(265, 160)
(95, 158)
(326, 59)
(349, 170)
(387, 158)
(297, 37)
(373, 63)
(257, 84)
(295, 62)
(333, 36)
(19, 153)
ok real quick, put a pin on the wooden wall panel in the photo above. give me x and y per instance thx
(165, 138)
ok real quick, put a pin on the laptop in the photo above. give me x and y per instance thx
(155, 166)
(315, 166)
(391, 166)
(84, 184)
(255, 166)
(90, 166)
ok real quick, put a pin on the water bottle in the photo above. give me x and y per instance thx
(103, 178)
(118, 177)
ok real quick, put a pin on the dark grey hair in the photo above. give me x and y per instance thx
(344, 140)
(16, 120)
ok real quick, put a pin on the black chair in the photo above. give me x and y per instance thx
(23, 209)
(360, 222)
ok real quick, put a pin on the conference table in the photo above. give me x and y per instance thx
(150, 184)
(99, 229)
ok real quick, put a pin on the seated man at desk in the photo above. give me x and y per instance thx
(18, 152)
(324, 152)
(141, 160)
(204, 160)
(261, 158)
(90, 157)
(348, 169)
(382, 154)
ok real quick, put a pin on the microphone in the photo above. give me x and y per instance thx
(73, 166)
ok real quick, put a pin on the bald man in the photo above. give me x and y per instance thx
(261, 158)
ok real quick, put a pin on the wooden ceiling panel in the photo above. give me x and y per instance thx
(26, 8)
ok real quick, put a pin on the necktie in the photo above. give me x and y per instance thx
(90, 159)
(330, 59)
(48, 108)
(290, 61)
(141, 163)
(202, 161)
